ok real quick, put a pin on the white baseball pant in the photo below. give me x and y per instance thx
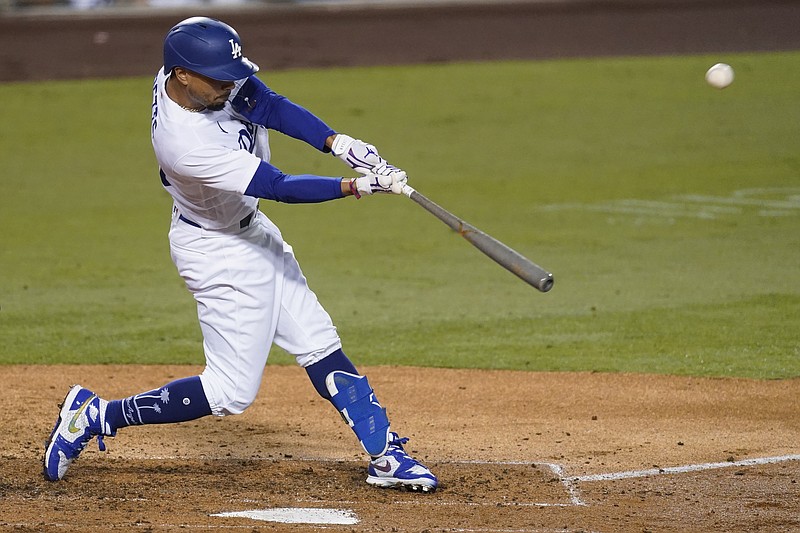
(250, 292)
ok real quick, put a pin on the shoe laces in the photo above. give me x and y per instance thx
(397, 441)
(396, 445)
(100, 443)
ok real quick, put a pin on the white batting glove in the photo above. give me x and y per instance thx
(360, 156)
(391, 183)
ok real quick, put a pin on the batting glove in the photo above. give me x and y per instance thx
(360, 156)
(391, 183)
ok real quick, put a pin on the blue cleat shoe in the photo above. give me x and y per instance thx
(81, 418)
(397, 469)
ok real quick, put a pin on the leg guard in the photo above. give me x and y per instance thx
(352, 395)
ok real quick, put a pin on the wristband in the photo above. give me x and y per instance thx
(354, 189)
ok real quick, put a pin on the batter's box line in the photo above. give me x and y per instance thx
(570, 483)
(684, 469)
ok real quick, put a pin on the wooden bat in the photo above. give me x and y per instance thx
(509, 259)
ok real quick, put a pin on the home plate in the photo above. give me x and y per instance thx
(296, 515)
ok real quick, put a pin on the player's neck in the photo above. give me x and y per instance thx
(177, 93)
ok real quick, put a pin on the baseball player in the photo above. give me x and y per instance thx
(209, 129)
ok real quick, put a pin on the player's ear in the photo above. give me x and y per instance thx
(181, 74)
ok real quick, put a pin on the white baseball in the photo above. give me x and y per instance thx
(720, 76)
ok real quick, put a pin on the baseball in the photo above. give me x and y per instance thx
(720, 76)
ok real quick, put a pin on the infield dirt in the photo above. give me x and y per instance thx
(504, 444)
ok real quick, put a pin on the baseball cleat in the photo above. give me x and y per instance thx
(396, 469)
(80, 419)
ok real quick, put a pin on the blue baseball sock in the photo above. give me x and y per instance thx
(319, 371)
(179, 401)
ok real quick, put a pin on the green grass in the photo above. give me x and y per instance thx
(668, 211)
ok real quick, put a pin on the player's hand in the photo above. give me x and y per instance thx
(360, 156)
(390, 183)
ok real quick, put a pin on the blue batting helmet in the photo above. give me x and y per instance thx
(208, 47)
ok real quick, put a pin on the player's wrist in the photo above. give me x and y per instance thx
(350, 187)
(354, 188)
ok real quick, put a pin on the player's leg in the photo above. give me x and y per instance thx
(85, 415)
(354, 398)
(306, 330)
(237, 324)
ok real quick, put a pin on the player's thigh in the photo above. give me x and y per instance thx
(305, 328)
(235, 282)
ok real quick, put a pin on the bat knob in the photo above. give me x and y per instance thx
(408, 190)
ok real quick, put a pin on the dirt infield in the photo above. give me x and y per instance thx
(515, 451)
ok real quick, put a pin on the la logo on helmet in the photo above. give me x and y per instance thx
(236, 48)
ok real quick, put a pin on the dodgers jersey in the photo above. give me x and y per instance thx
(207, 159)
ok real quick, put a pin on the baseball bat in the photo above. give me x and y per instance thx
(503, 255)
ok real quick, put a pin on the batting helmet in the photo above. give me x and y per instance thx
(208, 47)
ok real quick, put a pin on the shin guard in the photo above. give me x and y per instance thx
(352, 395)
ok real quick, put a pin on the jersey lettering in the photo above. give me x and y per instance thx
(154, 111)
(247, 137)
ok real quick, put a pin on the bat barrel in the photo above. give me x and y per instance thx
(506, 257)
(542, 283)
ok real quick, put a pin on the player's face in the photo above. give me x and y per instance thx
(207, 92)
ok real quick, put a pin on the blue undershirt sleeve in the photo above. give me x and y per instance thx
(271, 184)
(261, 105)
(296, 121)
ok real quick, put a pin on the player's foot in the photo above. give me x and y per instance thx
(80, 419)
(397, 469)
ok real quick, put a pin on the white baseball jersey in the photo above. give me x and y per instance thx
(207, 159)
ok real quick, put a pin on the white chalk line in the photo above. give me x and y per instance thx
(685, 469)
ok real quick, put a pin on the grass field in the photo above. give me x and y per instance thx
(669, 213)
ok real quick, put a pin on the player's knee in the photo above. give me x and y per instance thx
(319, 353)
(234, 406)
(226, 397)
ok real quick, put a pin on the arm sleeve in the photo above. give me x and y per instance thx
(270, 183)
(298, 122)
(261, 105)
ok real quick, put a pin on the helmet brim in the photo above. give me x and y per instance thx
(232, 72)
(238, 71)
